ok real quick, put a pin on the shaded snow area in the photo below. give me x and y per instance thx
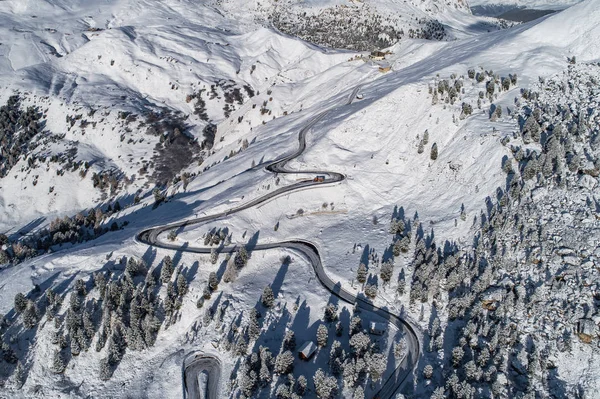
(434, 235)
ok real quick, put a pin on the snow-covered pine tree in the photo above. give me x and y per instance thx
(284, 363)
(387, 269)
(325, 386)
(167, 270)
(355, 325)
(182, 285)
(359, 393)
(322, 335)
(20, 303)
(267, 298)
(361, 273)
(330, 313)
(434, 152)
(301, 385)
(213, 282)
(289, 340)
(58, 362)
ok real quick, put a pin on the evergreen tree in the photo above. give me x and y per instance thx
(30, 316)
(135, 268)
(100, 281)
(325, 386)
(330, 313)
(167, 270)
(371, 291)
(282, 392)
(241, 257)
(267, 298)
(214, 256)
(253, 327)
(182, 286)
(58, 362)
(361, 273)
(301, 385)
(355, 325)
(360, 343)
(20, 303)
(434, 152)
(4, 258)
(265, 373)
(213, 282)
(80, 287)
(457, 355)
(377, 364)
(387, 269)
(336, 358)
(158, 196)
(289, 340)
(322, 335)
(284, 363)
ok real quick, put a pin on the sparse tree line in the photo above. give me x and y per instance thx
(77, 229)
(449, 91)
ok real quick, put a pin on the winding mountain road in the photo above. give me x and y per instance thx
(307, 250)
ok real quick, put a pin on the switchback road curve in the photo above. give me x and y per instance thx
(307, 250)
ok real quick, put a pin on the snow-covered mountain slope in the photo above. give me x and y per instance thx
(362, 25)
(487, 222)
(126, 58)
(530, 4)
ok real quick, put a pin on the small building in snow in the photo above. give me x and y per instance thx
(307, 350)
(384, 69)
(377, 328)
(377, 55)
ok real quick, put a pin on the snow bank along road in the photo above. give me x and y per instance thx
(306, 249)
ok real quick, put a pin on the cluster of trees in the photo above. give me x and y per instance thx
(79, 228)
(354, 368)
(235, 264)
(18, 129)
(497, 308)
(107, 179)
(126, 311)
(176, 148)
(356, 28)
(449, 91)
(217, 237)
(431, 29)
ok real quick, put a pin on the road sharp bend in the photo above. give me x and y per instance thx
(308, 250)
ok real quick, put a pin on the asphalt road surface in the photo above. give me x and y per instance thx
(193, 365)
(197, 364)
